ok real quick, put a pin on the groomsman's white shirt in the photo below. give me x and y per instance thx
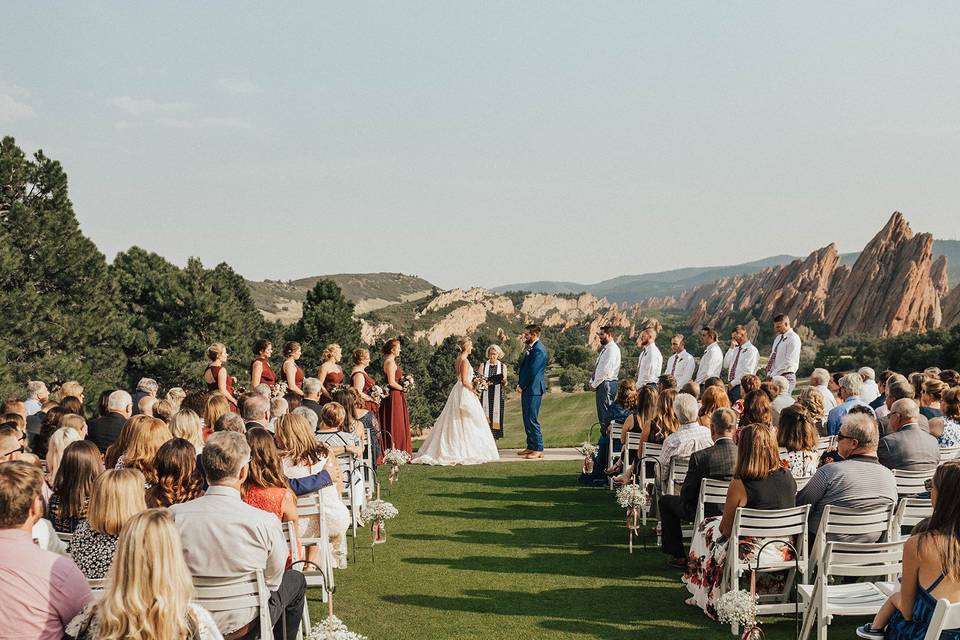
(748, 362)
(649, 364)
(608, 364)
(681, 366)
(711, 363)
(788, 353)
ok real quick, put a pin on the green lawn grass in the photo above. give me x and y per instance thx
(518, 551)
(565, 417)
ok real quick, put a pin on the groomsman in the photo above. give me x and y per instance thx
(711, 362)
(742, 358)
(785, 355)
(650, 362)
(681, 364)
(605, 373)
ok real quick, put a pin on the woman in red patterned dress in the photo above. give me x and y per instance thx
(260, 370)
(215, 375)
(292, 373)
(330, 374)
(394, 415)
(362, 381)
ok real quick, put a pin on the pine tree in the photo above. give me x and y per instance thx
(61, 315)
(327, 318)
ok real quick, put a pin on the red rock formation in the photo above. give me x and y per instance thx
(951, 307)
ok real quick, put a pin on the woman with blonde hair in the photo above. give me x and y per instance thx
(116, 450)
(149, 589)
(68, 389)
(666, 421)
(342, 435)
(303, 456)
(186, 424)
(59, 441)
(116, 497)
(930, 395)
(362, 381)
(176, 396)
(217, 405)
(142, 451)
(215, 376)
(330, 374)
(812, 400)
(713, 398)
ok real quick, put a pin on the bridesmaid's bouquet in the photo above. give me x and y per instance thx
(407, 383)
(396, 458)
(337, 388)
(333, 629)
(377, 393)
(480, 384)
(278, 390)
(378, 512)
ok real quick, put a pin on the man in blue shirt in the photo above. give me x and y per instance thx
(850, 395)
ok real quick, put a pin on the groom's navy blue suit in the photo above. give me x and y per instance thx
(533, 385)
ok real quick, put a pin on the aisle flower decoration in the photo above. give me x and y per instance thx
(278, 390)
(633, 498)
(740, 608)
(378, 512)
(588, 450)
(333, 628)
(396, 458)
(407, 383)
(377, 393)
(480, 384)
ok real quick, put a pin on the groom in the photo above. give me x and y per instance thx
(531, 388)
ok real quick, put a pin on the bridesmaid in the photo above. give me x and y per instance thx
(330, 374)
(260, 370)
(394, 417)
(362, 381)
(492, 399)
(292, 373)
(216, 376)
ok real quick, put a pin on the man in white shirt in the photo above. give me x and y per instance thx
(819, 379)
(690, 437)
(650, 362)
(605, 373)
(681, 364)
(37, 394)
(870, 390)
(711, 362)
(225, 537)
(785, 355)
(741, 358)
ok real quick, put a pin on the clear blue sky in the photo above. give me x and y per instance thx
(487, 143)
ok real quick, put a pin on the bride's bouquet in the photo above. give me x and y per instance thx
(377, 394)
(378, 512)
(333, 629)
(396, 458)
(278, 390)
(480, 384)
(588, 450)
(407, 383)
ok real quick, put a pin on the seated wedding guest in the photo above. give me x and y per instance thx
(341, 442)
(665, 422)
(759, 482)
(949, 377)
(175, 396)
(692, 389)
(798, 437)
(770, 389)
(266, 487)
(278, 407)
(311, 395)
(716, 462)
(105, 430)
(756, 410)
(946, 429)
(178, 478)
(850, 385)
(146, 388)
(819, 380)
(932, 392)
(713, 398)
(149, 590)
(309, 415)
(116, 497)
(51, 422)
(186, 424)
(143, 447)
(782, 399)
(256, 412)
(361, 420)
(908, 447)
(103, 402)
(858, 481)
(223, 537)
(931, 568)
(690, 437)
(216, 406)
(302, 456)
(715, 381)
(641, 418)
(665, 382)
(869, 390)
(215, 376)
(748, 383)
(57, 444)
(812, 400)
(163, 410)
(230, 421)
(899, 390)
(932, 372)
(120, 445)
(78, 469)
(12, 446)
(37, 394)
(75, 422)
(882, 382)
(619, 412)
(72, 404)
(41, 591)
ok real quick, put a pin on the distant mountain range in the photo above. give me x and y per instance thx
(630, 289)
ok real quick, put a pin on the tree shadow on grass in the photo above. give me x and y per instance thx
(556, 481)
(557, 496)
(584, 536)
(514, 512)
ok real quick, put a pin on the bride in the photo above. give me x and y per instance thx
(461, 434)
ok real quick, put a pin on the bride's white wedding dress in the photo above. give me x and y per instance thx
(461, 434)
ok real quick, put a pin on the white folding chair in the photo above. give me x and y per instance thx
(648, 454)
(786, 525)
(65, 538)
(348, 466)
(856, 559)
(949, 453)
(310, 506)
(229, 594)
(676, 474)
(946, 617)
(632, 444)
(802, 482)
(910, 511)
(836, 521)
(910, 483)
(97, 587)
(711, 492)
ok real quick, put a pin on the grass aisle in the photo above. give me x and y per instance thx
(514, 550)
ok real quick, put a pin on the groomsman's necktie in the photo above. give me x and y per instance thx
(773, 354)
(733, 368)
(673, 369)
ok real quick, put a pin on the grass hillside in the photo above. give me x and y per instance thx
(565, 417)
(283, 301)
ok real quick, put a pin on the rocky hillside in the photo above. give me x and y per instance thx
(283, 301)
(894, 286)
